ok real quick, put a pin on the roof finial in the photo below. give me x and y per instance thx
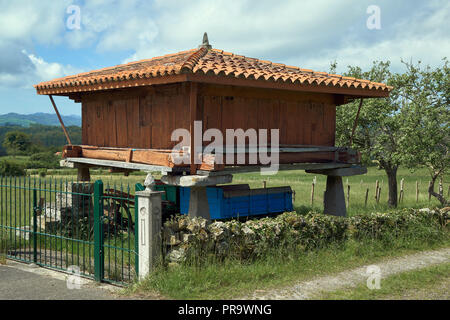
(205, 43)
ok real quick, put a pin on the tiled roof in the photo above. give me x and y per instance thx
(204, 62)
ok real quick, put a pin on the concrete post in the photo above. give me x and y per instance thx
(334, 197)
(198, 203)
(84, 174)
(149, 230)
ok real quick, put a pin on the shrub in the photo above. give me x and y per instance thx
(43, 160)
(191, 239)
(11, 169)
(42, 173)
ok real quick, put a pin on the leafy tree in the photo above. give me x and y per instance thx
(8, 168)
(378, 133)
(425, 93)
(17, 142)
(409, 128)
(46, 160)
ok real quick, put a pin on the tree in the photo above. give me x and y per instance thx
(410, 128)
(11, 169)
(40, 160)
(378, 133)
(16, 142)
(425, 93)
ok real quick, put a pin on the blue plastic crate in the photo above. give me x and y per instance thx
(234, 201)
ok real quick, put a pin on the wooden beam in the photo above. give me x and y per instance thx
(282, 167)
(60, 120)
(165, 158)
(97, 163)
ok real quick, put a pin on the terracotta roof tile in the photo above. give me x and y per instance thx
(213, 62)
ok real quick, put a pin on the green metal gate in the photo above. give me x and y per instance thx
(60, 224)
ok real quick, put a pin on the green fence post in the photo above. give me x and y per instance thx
(35, 228)
(99, 258)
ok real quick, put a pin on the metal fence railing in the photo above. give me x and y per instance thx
(62, 224)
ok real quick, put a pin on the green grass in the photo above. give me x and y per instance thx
(22, 160)
(427, 283)
(233, 278)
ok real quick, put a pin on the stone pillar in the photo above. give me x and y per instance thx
(84, 174)
(334, 197)
(198, 203)
(149, 225)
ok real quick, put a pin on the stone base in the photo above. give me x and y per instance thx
(334, 198)
(198, 203)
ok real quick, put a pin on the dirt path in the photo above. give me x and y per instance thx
(307, 289)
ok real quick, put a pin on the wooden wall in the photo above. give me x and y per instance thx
(308, 119)
(145, 118)
(141, 119)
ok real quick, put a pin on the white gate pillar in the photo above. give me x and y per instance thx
(149, 230)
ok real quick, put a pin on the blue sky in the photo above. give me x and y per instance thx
(37, 45)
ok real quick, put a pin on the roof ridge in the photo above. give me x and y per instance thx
(193, 59)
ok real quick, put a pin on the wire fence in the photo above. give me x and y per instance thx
(60, 224)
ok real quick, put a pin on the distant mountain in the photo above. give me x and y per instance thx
(48, 119)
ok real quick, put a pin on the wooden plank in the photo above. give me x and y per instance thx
(84, 118)
(71, 152)
(282, 167)
(139, 156)
(152, 157)
(264, 93)
(121, 122)
(157, 121)
(74, 162)
(145, 121)
(132, 108)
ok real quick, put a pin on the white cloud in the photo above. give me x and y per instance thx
(37, 70)
(26, 20)
(309, 33)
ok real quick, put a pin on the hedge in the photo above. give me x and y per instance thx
(192, 238)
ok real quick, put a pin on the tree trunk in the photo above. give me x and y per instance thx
(438, 196)
(392, 183)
